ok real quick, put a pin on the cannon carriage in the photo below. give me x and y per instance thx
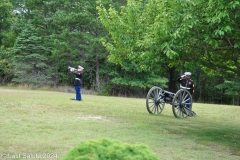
(181, 102)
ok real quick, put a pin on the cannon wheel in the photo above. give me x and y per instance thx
(182, 104)
(153, 101)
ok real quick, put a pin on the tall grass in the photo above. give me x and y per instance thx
(36, 123)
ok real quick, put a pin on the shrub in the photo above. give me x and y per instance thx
(105, 149)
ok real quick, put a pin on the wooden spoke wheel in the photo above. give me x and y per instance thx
(182, 104)
(154, 101)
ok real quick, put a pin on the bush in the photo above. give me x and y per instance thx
(105, 149)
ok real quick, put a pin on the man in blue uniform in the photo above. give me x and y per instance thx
(186, 83)
(77, 82)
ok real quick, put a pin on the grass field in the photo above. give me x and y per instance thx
(40, 123)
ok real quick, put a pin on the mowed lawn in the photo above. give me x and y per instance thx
(41, 123)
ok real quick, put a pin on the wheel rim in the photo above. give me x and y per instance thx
(182, 104)
(154, 102)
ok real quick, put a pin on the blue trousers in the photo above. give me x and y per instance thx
(78, 93)
(188, 101)
(188, 105)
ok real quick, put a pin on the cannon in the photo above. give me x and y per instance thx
(181, 102)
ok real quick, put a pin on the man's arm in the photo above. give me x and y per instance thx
(178, 79)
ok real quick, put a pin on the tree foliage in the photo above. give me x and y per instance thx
(175, 33)
(7, 38)
(125, 46)
(6, 17)
(31, 65)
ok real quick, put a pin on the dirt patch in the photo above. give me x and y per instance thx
(92, 117)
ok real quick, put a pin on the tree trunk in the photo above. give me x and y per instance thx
(97, 74)
(199, 87)
(172, 80)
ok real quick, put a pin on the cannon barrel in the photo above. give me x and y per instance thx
(164, 92)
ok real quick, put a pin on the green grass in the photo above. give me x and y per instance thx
(37, 122)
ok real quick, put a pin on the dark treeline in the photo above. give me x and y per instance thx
(125, 46)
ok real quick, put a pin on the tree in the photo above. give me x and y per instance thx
(7, 38)
(221, 36)
(175, 33)
(72, 30)
(219, 30)
(31, 65)
(232, 89)
(147, 33)
(6, 17)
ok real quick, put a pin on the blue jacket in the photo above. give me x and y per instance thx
(78, 79)
(186, 83)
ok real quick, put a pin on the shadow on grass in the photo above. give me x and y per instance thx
(211, 133)
(223, 135)
(205, 133)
